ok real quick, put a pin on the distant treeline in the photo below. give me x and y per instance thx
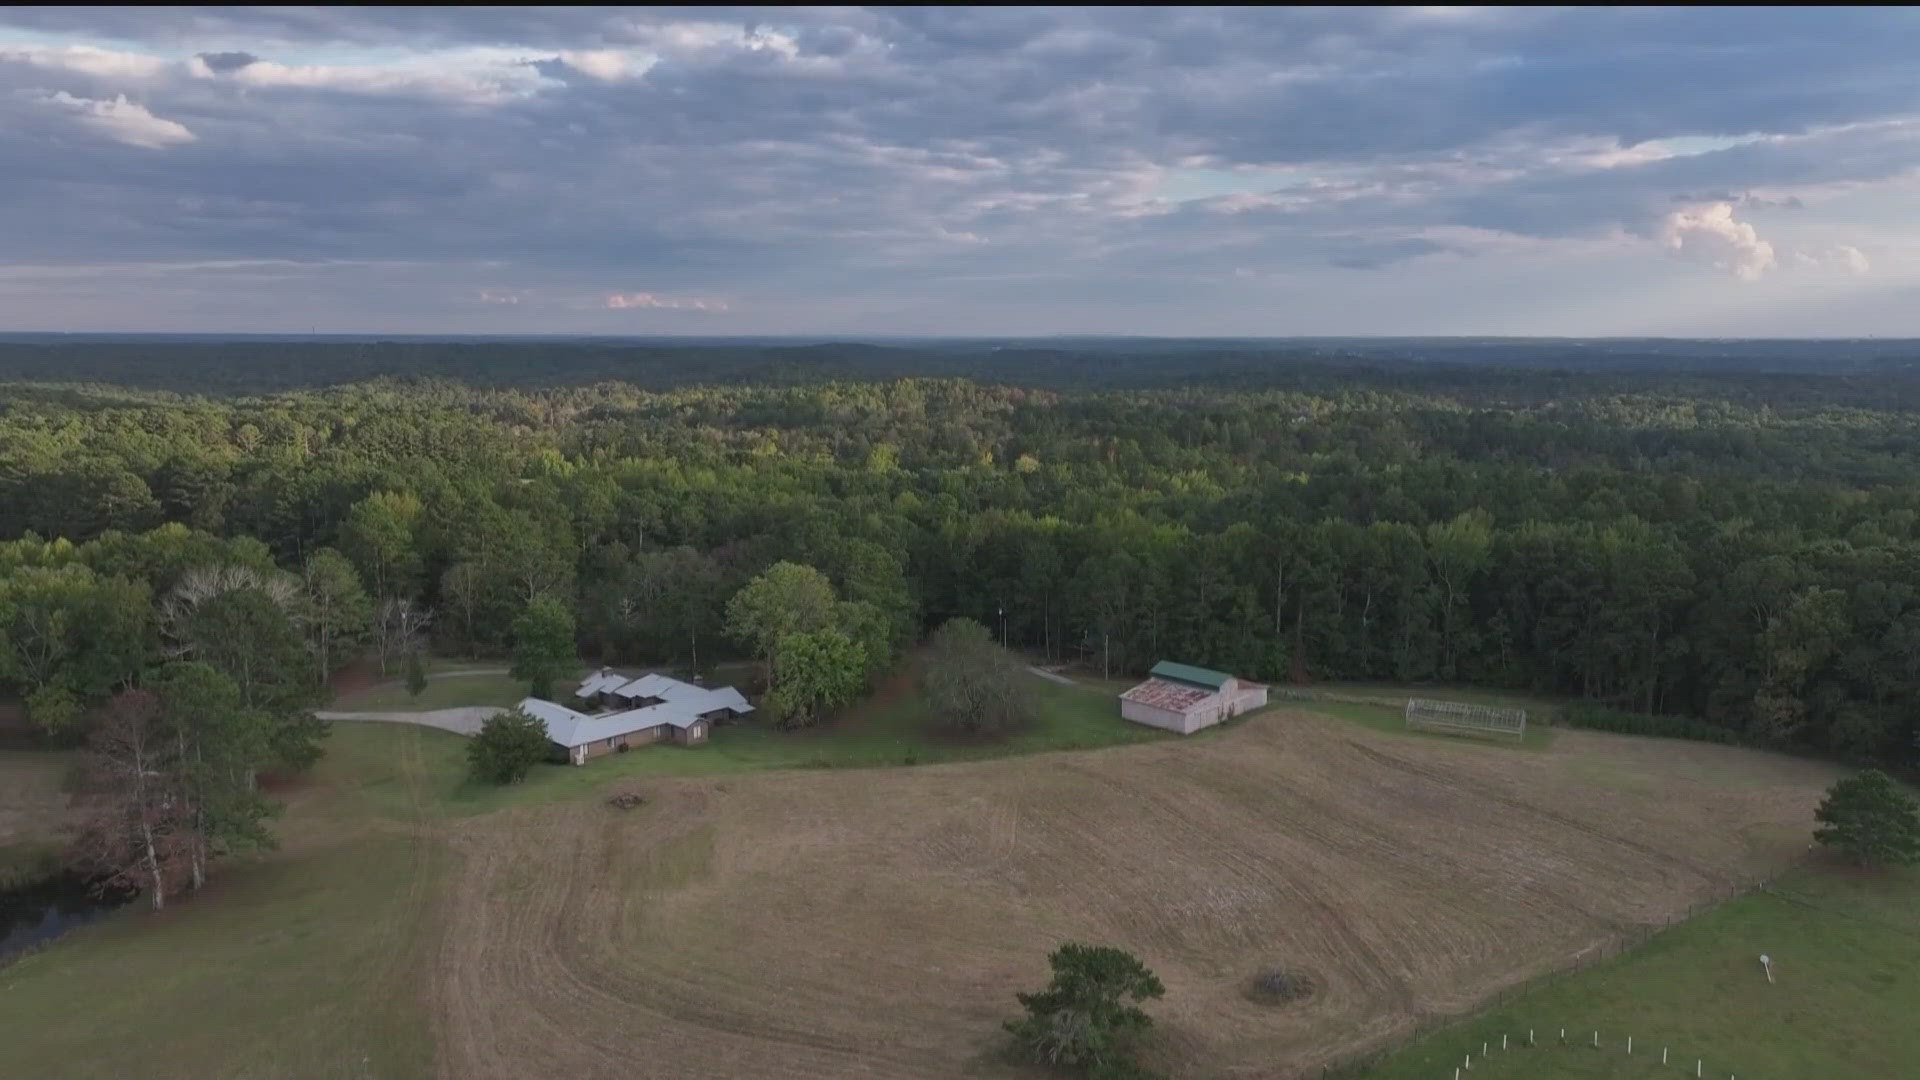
(1883, 374)
(1740, 549)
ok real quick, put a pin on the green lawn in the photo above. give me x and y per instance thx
(1394, 722)
(445, 693)
(450, 684)
(1846, 953)
(308, 962)
(893, 728)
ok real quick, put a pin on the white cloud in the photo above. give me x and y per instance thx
(607, 65)
(1712, 236)
(120, 120)
(1842, 258)
(473, 76)
(629, 301)
(86, 60)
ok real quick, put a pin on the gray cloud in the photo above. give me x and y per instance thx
(786, 157)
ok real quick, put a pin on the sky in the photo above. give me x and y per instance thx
(1719, 172)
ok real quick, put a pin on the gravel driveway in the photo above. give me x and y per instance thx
(462, 721)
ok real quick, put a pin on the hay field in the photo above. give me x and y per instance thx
(877, 923)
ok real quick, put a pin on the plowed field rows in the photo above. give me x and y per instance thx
(877, 923)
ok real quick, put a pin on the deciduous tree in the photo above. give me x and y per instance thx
(543, 645)
(1870, 819)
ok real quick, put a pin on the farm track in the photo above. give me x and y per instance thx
(877, 923)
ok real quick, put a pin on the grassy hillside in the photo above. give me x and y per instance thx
(1846, 954)
(305, 962)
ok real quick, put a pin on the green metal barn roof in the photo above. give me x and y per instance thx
(1187, 673)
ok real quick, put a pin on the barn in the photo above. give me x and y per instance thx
(1184, 698)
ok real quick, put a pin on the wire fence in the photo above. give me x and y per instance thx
(1428, 1023)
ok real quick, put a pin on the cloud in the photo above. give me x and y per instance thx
(86, 60)
(500, 296)
(1841, 258)
(1712, 236)
(630, 301)
(220, 63)
(986, 161)
(120, 120)
(478, 76)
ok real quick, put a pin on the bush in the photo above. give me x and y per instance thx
(508, 746)
(1586, 714)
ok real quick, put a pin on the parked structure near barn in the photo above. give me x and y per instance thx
(1184, 698)
(634, 712)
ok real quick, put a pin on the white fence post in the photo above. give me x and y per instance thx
(1629, 1044)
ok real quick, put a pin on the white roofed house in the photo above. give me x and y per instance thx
(635, 712)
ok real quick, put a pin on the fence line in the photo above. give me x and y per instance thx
(1429, 1023)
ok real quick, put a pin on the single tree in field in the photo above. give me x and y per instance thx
(543, 648)
(416, 674)
(972, 684)
(1870, 819)
(1087, 1018)
(508, 745)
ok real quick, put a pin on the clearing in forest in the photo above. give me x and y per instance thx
(877, 922)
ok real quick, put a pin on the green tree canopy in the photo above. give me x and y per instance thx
(819, 671)
(785, 599)
(543, 646)
(1088, 1018)
(1869, 818)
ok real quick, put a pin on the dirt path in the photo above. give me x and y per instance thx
(1052, 676)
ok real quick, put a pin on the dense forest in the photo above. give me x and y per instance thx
(1869, 372)
(1739, 548)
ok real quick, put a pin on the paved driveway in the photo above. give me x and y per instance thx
(462, 721)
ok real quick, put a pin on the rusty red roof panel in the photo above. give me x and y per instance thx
(1162, 694)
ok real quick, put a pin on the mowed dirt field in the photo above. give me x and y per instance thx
(877, 923)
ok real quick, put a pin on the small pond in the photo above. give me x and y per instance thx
(32, 915)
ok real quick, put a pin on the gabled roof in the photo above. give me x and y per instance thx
(1187, 673)
(599, 683)
(571, 729)
(1173, 696)
(673, 691)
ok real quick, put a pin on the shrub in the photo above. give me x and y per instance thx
(1586, 714)
(508, 746)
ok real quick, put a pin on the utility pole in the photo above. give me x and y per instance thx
(1003, 625)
